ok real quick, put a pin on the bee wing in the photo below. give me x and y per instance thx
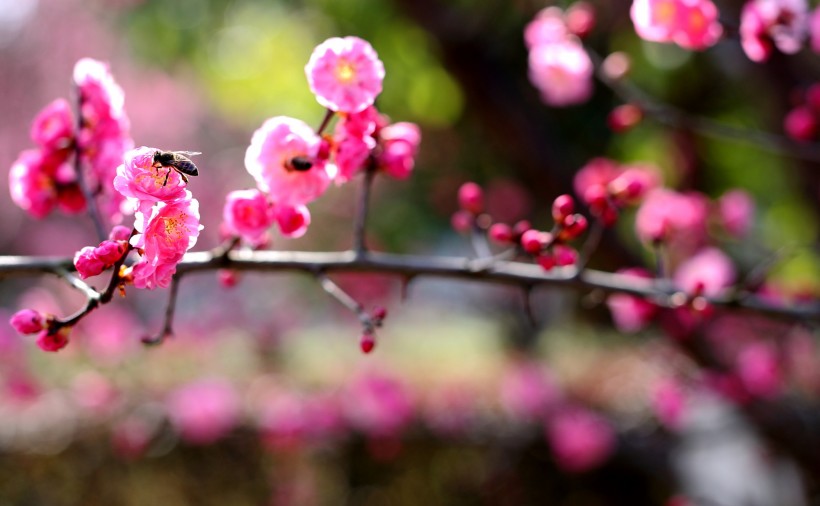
(188, 153)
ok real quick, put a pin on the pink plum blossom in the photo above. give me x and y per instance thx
(692, 24)
(759, 370)
(204, 411)
(814, 29)
(28, 321)
(580, 439)
(53, 128)
(765, 24)
(707, 273)
(562, 72)
(629, 312)
(283, 159)
(736, 212)
(247, 214)
(399, 142)
(293, 221)
(527, 391)
(164, 236)
(345, 74)
(547, 27)
(53, 339)
(32, 182)
(666, 214)
(144, 182)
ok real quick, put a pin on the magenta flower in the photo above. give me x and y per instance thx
(400, 143)
(293, 221)
(345, 74)
(140, 180)
(203, 411)
(766, 24)
(32, 182)
(53, 128)
(814, 29)
(666, 214)
(87, 263)
(164, 236)
(736, 211)
(758, 368)
(707, 273)
(547, 27)
(247, 214)
(283, 159)
(580, 440)
(562, 72)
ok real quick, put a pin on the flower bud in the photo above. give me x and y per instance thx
(367, 342)
(379, 313)
(471, 198)
(119, 233)
(564, 255)
(109, 252)
(53, 340)
(500, 233)
(533, 241)
(87, 263)
(562, 206)
(800, 124)
(228, 278)
(624, 117)
(461, 221)
(574, 225)
(546, 261)
(580, 18)
(28, 321)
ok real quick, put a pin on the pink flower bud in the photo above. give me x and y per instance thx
(87, 263)
(49, 340)
(109, 252)
(293, 221)
(227, 277)
(471, 198)
(53, 126)
(546, 260)
(616, 65)
(28, 321)
(562, 206)
(500, 233)
(580, 18)
(379, 313)
(367, 343)
(759, 370)
(564, 255)
(119, 233)
(573, 226)
(521, 227)
(533, 241)
(624, 117)
(462, 221)
(800, 124)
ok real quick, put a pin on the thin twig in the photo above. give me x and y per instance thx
(359, 245)
(325, 121)
(591, 243)
(77, 283)
(345, 299)
(170, 309)
(90, 200)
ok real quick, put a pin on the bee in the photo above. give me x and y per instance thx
(301, 163)
(178, 161)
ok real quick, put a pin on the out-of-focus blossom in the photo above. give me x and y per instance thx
(766, 24)
(53, 128)
(562, 72)
(378, 405)
(527, 391)
(203, 411)
(293, 221)
(345, 74)
(736, 212)
(606, 186)
(580, 440)
(814, 29)
(800, 123)
(164, 236)
(666, 214)
(668, 401)
(247, 214)
(140, 180)
(692, 24)
(399, 143)
(629, 312)
(283, 159)
(53, 340)
(759, 370)
(33, 181)
(547, 27)
(707, 273)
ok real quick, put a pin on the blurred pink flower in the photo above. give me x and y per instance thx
(293, 221)
(692, 24)
(631, 313)
(53, 127)
(580, 439)
(204, 410)
(399, 142)
(283, 159)
(736, 212)
(32, 182)
(247, 214)
(562, 72)
(765, 24)
(164, 235)
(527, 391)
(814, 29)
(758, 368)
(378, 405)
(345, 74)
(666, 214)
(707, 273)
(668, 402)
(141, 181)
(547, 27)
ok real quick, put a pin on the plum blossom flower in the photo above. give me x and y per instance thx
(736, 212)
(547, 27)
(164, 235)
(247, 214)
(345, 74)
(53, 128)
(666, 214)
(759, 370)
(606, 186)
(378, 405)
(139, 180)
(580, 440)
(765, 24)
(400, 143)
(203, 411)
(293, 221)
(562, 72)
(283, 159)
(707, 273)
(630, 313)
(692, 24)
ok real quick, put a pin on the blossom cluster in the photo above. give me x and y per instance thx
(293, 165)
(43, 178)
(559, 66)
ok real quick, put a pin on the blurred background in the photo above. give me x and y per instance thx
(263, 396)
